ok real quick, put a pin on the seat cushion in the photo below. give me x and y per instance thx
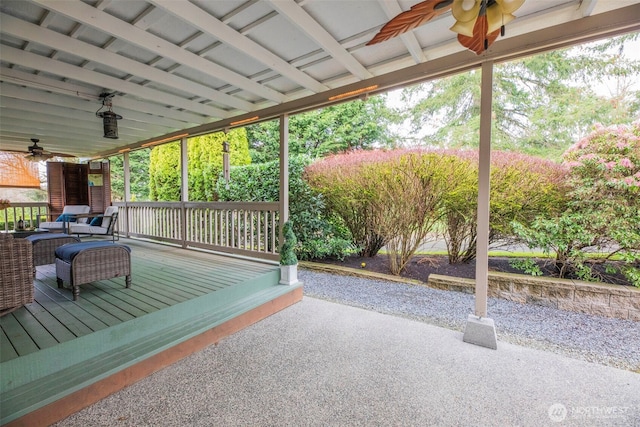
(51, 225)
(68, 252)
(86, 229)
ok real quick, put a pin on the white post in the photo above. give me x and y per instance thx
(284, 170)
(288, 273)
(481, 330)
(124, 216)
(184, 190)
(184, 171)
(127, 176)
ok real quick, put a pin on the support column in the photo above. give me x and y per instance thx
(481, 330)
(127, 193)
(127, 176)
(184, 171)
(184, 190)
(284, 170)
(288, 273)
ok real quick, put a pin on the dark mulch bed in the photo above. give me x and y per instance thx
(421, 266)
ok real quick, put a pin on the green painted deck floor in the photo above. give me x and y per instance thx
(162, 276)
(55, 346)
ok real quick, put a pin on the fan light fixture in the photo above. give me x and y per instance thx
(37, 153)
(482, 19)
(109, 118)
(478, 22)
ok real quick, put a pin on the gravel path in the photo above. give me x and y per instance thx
(612, 342)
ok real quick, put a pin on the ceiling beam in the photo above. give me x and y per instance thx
(597, 27)
(301, 19)
(68, 117)
(31, 60)
(586, 7)
(43, 36)
(208, 24)
(109, 24)
(132, 109)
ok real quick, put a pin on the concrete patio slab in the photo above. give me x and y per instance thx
(319, 363)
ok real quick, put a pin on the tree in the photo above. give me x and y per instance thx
(139, 175)
(164, 172)
(541, 104)
(204, 155)
(205, 160)
(359, 124)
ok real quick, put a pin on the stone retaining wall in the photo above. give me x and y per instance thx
(585, 297)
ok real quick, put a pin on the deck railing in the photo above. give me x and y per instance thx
(32, 213)
(245, 228)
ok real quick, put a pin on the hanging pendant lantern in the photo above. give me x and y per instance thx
(110, 124)
(109, 118)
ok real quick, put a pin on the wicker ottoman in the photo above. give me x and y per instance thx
(80, 263)
(44, 246)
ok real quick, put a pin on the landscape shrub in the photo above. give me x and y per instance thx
(409, 201)
(381, 196)
(522, 188)
(349, 192)
(317, 234)
(164, 173)
(602, 216)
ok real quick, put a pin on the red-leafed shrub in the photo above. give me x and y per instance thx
(349, 192)
(409, 203)
(396, 198)
(522, 188)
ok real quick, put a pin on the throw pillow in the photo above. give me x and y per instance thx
(96, 222)
(66, 218)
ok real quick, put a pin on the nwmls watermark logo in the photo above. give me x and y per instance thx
(559, 412)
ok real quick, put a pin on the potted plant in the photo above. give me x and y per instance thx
(288, 259)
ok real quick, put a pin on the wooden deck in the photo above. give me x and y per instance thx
(55, 346)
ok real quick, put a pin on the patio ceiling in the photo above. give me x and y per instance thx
(204, 65)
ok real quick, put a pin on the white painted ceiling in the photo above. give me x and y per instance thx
(202, 64)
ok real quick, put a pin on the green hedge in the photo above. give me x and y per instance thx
(318, 235)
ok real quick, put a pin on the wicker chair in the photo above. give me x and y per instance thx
(44, 246)
(16, 273)
(80, 263)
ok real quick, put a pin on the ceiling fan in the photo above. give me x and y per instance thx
(38, 154)
(478, 22)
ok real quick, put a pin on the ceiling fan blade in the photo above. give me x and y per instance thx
(477, 42)
(38, 157)
(418, 14)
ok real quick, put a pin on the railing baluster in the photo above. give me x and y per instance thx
(238, 227)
